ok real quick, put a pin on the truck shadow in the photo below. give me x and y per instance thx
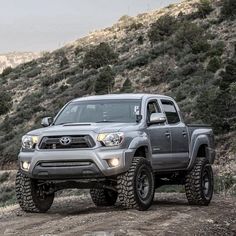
(89, 208)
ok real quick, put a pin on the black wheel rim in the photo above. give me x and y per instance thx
(143, 184)
(206, 183)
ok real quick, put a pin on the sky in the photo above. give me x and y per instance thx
(41, 25)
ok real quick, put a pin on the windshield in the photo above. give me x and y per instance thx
(121, 111)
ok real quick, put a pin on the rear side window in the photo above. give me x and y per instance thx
(170, 111)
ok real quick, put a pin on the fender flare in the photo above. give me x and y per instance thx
(199, 141)
(142, 141)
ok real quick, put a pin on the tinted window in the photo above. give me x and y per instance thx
(100, 111)
(170, 111)
(152, 107)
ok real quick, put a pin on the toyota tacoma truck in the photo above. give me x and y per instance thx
(119, 147)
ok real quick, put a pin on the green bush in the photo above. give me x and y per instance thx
(164, 27)
(200, 46)
(6, 71)
(224, 184)
(100, 55)
(47, 81)
(140, 40)
(134, 26)
(138, 61)
(64, 63)
(204, 8)
(214, 64)
(193, 36)
(5, 102)
(4, 177)
(216, 49)
(105, 81)
(229, 9)
(127, 87)
(78, 50)
(7, 196)
(33, 73)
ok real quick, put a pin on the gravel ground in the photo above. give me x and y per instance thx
(170, 214)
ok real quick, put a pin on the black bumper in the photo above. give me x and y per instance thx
(65, 170)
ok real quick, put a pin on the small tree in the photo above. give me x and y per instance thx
(192, 35)
(127, 87)
(164, 27)
(100, 55)
(204, 8)
(214, 64)
(5, 102)
(105, 81)
(64, 62)
(7, 71)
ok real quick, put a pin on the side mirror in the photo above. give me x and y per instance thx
(157, 118)
(46, 121)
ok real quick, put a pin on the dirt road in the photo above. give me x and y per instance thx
(169, 215)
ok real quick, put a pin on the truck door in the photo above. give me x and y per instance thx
(179, 136)
(160, 139)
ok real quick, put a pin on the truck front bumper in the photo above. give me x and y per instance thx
(75, 164)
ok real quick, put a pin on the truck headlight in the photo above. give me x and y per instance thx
(29, 142)
(111, 139)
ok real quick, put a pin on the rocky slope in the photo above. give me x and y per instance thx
(185, 50)
(14, 59)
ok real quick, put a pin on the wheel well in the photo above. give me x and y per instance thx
(141, 152)
(202, 151)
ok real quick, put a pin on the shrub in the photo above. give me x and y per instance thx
(229, 9)
(161, 70)
(33, 73)
(138, 61)
(224, 183)
(127, 87)
(189, 34)
(6, 71)
(216, 49)
(200, 46)
(214, 64)
(78, 50)
(4, 177)
(164, 27)
(204, 8)
(5, 102)
(105, 81)
(7, 195)
(134, 26)
(100, 55)
(64, 63)
(140, 40)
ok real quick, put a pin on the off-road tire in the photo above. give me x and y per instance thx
(27, 197)
(128, 185)
(103, 197)
(195, 186)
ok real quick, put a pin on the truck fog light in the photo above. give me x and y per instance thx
(114, 162)
(25, 165)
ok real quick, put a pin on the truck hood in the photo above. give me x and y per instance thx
(73, 129)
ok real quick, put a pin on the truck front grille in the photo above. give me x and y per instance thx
(74, 141)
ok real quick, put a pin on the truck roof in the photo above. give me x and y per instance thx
(120, 96)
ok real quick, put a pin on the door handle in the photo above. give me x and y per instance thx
(184, 133)
(167, 134)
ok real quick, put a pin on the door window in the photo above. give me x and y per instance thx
(170, 111)
(152, 107)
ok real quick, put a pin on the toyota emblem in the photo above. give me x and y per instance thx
(65, 141)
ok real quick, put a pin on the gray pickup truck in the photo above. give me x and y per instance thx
(118, 146)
